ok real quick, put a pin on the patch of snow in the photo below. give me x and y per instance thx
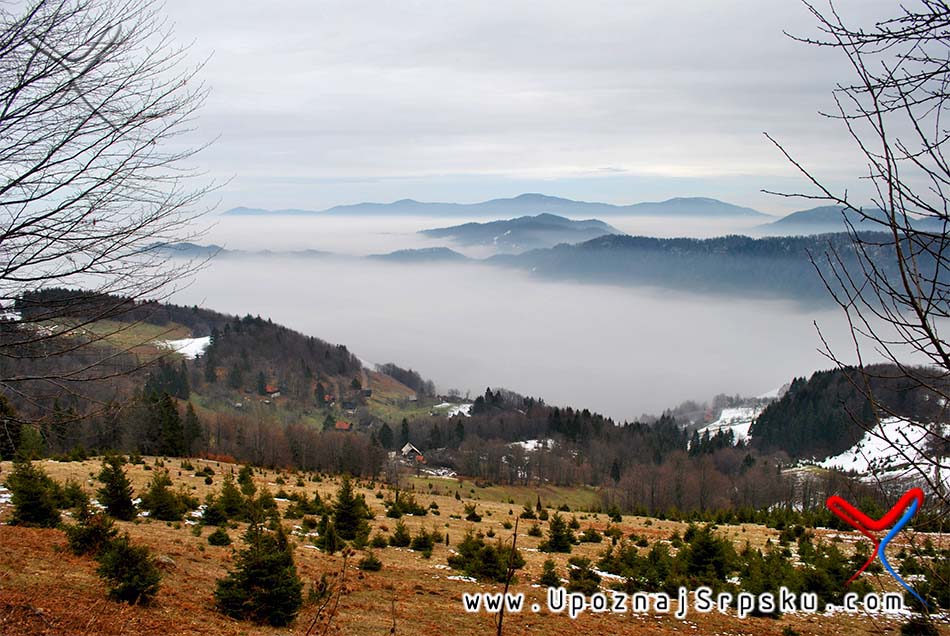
(738, 420)
(894, 449)
(439, 472)
(188, 347)
(451, 410)
(467, 579)
(534, 444)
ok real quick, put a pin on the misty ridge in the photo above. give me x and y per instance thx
(797, 267)
(574, 321)
(525, 204)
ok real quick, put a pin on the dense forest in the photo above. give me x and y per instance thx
(827, 413)
(779, 267)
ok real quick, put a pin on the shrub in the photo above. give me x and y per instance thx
(161, 501)
(400, 537)
(582, 578)
(34, 496)
(219, 537)
(91, 535)
(404, 504)
(379, 541)
(484, 561)
(471, 514)
(264, 586)
(549, 576)
(213, 514)
(329, 539)
(370, 563)
(129, 572)
(591, 536)
(535, 531)
(422, 541)
(73, 496)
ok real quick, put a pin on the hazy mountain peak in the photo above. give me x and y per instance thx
(530, 203)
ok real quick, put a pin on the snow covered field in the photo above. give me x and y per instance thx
(892, 450)
(738, 420)
(451, 410)
(188, 347)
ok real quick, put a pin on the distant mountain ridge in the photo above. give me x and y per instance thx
(777, 267)
(527, 204)
(832, 218)
(524, 232)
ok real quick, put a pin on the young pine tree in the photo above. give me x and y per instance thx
(349, 512)
(160, 500)
(549, 576)
(34, 496)
(560, 538)
(116, 491)
(129, 572)
(192, 429)
(264, 586)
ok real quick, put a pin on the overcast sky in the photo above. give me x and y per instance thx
(328, 102)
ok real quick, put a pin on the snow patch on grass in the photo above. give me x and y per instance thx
(188, 347)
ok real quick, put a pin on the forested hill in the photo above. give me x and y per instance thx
(772, 267)
(829, 412)
(248, 343)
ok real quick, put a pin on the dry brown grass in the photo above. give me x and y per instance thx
(46, 590)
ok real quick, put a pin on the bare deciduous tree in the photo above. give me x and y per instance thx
(894, 111)
(94, 177)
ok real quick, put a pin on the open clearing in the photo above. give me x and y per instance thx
(44, 589)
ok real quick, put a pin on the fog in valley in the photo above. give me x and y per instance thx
(618, 350)
(363, 235)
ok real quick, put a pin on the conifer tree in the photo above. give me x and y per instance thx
(161, 502)
(129, 572)
(211, 375)
(165, 425)
(549, 576)
(261, 383)
(349, 512)
(385, 436)
(235, 377)
(615, 471)
(403, 432)
(191, 429)
(231, 501)
(34, 496)
(246, 481)
(560, 538)
(116, 491)
(264, 586)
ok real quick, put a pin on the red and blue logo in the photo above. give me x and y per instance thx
(895, 519)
